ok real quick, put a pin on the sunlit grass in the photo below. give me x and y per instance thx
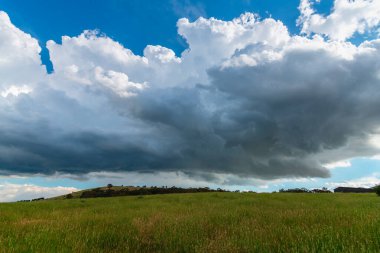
(203, 222)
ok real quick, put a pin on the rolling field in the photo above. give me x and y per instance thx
(202, 222)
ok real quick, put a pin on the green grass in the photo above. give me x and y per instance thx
(203, 222)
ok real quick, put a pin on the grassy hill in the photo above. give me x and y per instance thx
(118, 191)
(202, 222)
(78, 194)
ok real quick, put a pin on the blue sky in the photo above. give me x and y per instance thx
(91, 90)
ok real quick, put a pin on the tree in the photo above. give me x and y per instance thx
(377, 189)
(109, 186)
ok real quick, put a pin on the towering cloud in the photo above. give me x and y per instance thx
(246, 98)
(20, 66)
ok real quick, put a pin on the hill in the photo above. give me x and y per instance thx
(118, 191)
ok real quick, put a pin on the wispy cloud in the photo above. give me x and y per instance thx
(188, 9)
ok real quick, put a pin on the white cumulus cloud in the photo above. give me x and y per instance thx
(346, 18)
(14, 192)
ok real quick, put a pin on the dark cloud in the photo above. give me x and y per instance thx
(266, 121)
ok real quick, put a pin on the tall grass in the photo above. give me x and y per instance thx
(203, 222)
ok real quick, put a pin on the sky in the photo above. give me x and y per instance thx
(249, 95)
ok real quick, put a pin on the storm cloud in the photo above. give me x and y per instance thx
(246, 98)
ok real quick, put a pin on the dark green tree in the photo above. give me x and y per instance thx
(377, 189)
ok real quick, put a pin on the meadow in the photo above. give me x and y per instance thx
(201, 222)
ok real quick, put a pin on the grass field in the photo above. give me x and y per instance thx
(203, 222)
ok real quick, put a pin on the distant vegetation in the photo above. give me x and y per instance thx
(111, 191)
(354, 190)
(201, 222)
(305, 190)
(118, 191)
